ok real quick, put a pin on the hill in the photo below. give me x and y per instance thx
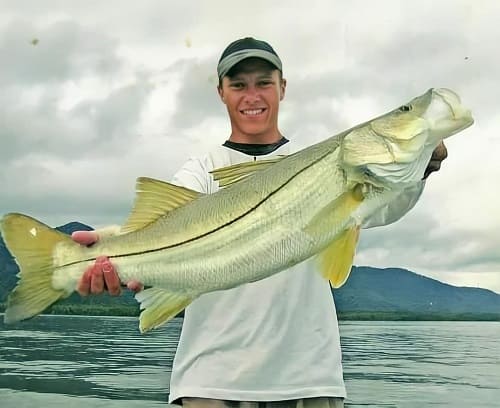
(400, 290)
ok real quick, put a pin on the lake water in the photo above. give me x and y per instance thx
(72, 361)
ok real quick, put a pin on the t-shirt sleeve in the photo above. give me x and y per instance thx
(397, 208)
(194, 175)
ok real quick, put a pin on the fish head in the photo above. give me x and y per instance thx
(397, 147)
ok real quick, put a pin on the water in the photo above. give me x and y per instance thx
(62, 361)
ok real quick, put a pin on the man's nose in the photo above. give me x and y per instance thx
(252, 94)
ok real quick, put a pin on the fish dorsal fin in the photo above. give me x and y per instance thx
(232, 174)
(336, 260)
(154, 199)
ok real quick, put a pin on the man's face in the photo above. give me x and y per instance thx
(252, 95)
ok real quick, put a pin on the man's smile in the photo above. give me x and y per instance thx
(253, 112)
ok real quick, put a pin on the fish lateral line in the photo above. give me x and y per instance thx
(261, 202)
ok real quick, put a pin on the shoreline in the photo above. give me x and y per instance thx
(133, 311)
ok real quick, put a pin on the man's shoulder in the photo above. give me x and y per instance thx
(216, 156)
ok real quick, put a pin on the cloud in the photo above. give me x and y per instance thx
(97, 101)
(60, 52)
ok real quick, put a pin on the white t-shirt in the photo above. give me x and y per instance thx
(274, 339)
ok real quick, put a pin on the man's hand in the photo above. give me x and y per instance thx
(438, 155)
(102, 275)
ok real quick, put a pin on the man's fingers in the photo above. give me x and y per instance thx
(96, 278)
(100, 277)
(434, 165)
(83, 287)
(440, 153)
(111, 279)
(135, 286)
(85, 237)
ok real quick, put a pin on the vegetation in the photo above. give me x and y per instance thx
(129, 310)
(411, 316)
(89, 310)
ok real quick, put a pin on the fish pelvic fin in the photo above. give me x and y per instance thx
(159, 306)
(155, 198)
(31, 243)
(237, 172)
(337, 259)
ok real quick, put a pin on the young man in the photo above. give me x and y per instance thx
(274, 342)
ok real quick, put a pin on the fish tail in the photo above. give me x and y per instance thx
(31, 243)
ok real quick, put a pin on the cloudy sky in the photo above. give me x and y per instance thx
(95, 94)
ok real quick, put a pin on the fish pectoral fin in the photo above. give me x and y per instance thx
(237, 172)
(31, 243)
(336, 260)
(336, 213)
(155, 198)
(159, 306)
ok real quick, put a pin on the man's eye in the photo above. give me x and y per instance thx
(237, 85)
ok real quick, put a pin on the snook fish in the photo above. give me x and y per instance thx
(268, 216)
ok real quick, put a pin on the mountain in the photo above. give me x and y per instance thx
(367, 290)
(395, 289)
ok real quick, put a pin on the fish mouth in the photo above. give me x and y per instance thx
(449, 102)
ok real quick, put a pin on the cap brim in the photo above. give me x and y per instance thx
(231, 60)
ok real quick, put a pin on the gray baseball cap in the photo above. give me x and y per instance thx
(244, 48)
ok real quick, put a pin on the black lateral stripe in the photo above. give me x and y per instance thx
(215, 229)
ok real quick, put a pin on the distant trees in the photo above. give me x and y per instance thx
(133, 310)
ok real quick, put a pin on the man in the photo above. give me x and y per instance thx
(275, 341)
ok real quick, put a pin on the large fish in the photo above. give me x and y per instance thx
(268, 216)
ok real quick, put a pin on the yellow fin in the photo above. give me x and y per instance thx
(232, 174)
(31, 243)
(336, 212)
(155, 198)
(159, 306)
(336, 260)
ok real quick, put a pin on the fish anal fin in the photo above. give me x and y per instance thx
(337, 259)
(154, 199)
(159, 306)
(237, 172)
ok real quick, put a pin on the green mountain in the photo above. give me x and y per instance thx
(368, 290)
(395, 289)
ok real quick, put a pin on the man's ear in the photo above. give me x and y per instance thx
(282, 88)
(221, 93)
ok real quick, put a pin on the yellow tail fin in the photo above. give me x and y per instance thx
(31, 243)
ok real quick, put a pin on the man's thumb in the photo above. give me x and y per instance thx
(85, 237)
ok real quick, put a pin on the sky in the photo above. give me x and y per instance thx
(95, 94)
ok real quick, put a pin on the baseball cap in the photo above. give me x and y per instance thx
(244, 48)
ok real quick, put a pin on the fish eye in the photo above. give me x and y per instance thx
(405, 108)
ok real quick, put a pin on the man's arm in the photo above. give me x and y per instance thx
(409, 197)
